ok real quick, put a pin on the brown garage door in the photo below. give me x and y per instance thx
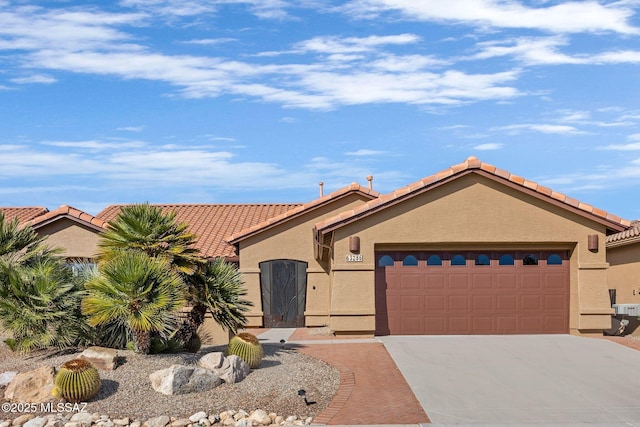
(443, 293)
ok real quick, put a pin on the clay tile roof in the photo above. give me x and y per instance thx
(632, 235)
(469, 165)
(211, 223)
(299, 210)
(68, 212)
(23, 214)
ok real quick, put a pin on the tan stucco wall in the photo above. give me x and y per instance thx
(76, 240)
(624, 272)
(293, 240)
(472, 212)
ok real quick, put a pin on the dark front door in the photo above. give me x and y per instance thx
(283, 285)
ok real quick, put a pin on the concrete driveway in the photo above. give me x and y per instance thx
(548, 379)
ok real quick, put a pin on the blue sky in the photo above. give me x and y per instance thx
(239, 101)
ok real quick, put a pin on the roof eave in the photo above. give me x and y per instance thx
(236, 239)
(611, 225)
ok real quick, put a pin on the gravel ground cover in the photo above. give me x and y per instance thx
(127, 391)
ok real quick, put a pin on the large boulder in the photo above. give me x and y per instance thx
(181, 379)
(230, 369)
(212, 361)
(101, 357)
(32, 386)
(233, 369)
(7, 377)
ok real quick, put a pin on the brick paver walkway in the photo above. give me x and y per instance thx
(372, 390)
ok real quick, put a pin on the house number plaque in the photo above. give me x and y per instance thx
(354, 258)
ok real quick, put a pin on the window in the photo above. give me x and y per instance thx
(483, 260)
(554, 259)
(506, 259)
(434, 260)
(385, 261)
(530, 259)
(410, 261)
(458, 260)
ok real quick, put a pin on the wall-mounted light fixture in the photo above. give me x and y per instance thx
(592, 242)
(354, 244)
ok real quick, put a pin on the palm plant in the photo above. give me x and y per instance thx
(217, 289)
(138, 292)
(18, 244)
(146, 228)
(39, 296)
(39, 303)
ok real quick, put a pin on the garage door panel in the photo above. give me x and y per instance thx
(506, 324)
(482, 281)
(437, 325)
(412, 325)
(458, 302)
(472, 299)
(483, 325)
(530, 302)
(411, 281)
(531, 281)
(435, 303)
(434, 281)
(555, 302)
(411, 303)
(459, 325)
(506, 302)
(506, 281)
(482, 303)
(458, 281)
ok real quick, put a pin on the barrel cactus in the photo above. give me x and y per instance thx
(77, 381)
(247, 347)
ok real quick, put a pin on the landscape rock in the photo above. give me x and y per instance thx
(22, 419)
(244, 422)
(212, 361)
(7, 377)
(83, 419)
(32, 386)
(197, 416)
(182, 422)
(233, 369)
(101, 357)
(181, 379)
(36, 422)
(160, 421)
(260, 417)
(122, 421)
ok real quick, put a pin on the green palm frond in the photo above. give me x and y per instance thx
(146, 228)
(135, 291)
(222, 291)
(39, 303)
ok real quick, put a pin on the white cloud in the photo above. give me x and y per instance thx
(566, 17)
(488, 146)
(337, 45)
(96, 145)
(131, 128)
(210, 42)
(543, 128)
(35, 78)
(546, 51)
(365, 152)
(634, 146)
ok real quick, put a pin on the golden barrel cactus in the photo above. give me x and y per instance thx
(77, 381)
(247, 347)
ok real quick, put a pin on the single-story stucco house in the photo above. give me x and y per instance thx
(472, 249)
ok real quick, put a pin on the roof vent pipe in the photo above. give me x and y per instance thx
(321, 184)
(370, 179)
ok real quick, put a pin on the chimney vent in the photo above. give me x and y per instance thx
(370, 179)
(321, 184)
